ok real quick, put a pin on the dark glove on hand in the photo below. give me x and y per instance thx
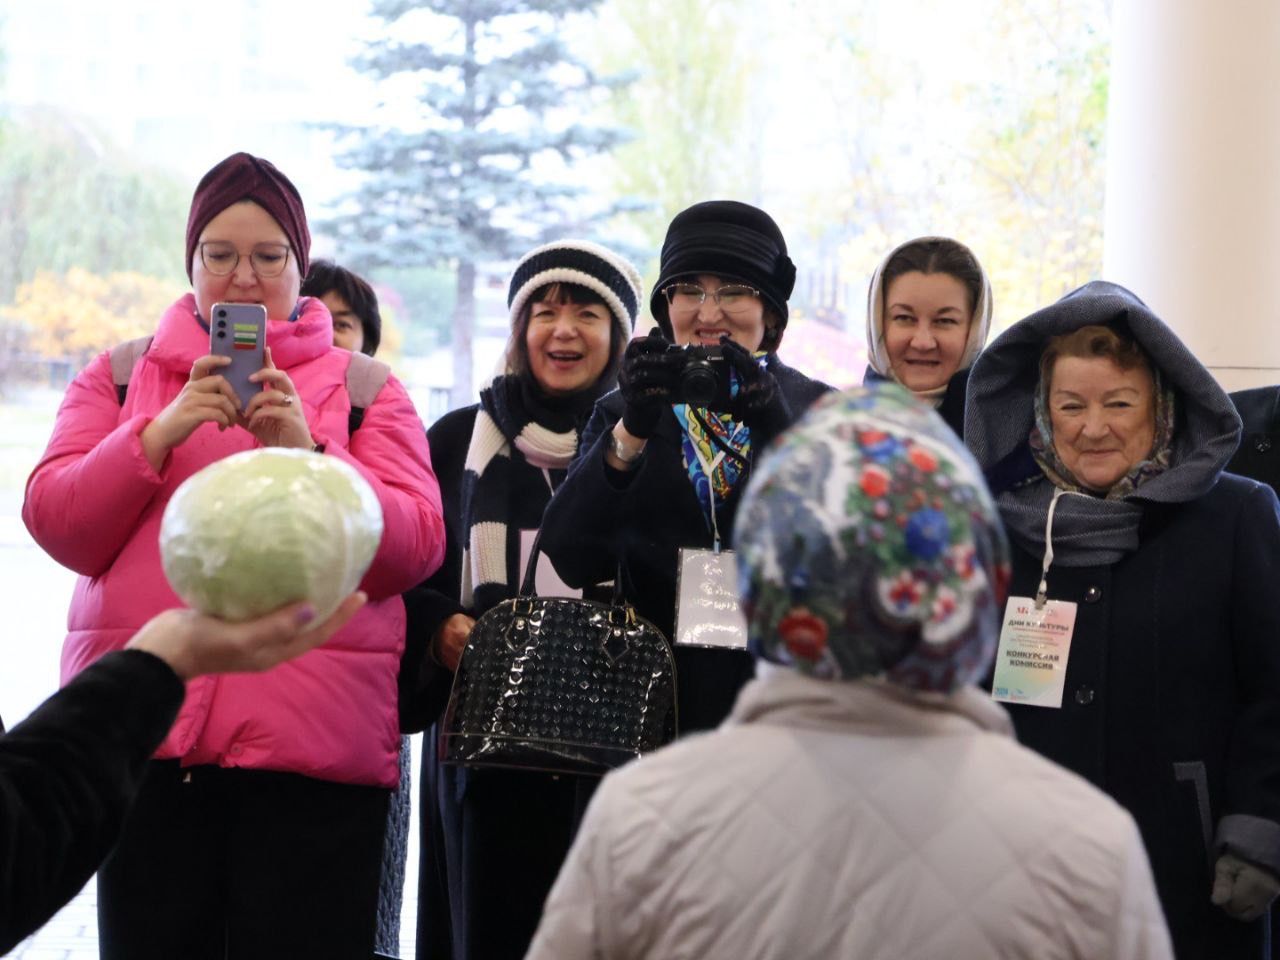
(1244, 891)
(647, 381)
(759, 402)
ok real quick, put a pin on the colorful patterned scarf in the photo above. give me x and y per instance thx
(713, 472)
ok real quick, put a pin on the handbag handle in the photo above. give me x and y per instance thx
(528, 587)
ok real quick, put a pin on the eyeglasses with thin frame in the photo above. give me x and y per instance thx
(221, 258)
(688, 297)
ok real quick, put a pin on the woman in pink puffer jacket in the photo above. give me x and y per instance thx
(260, 823)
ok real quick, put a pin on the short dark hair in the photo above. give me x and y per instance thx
(326, 276)
(518, 349)
(936, 255)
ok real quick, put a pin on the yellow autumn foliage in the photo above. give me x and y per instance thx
(78, 314)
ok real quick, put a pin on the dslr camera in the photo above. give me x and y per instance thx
(704, 378)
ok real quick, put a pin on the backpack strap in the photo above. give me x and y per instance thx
(124, 357)
(365, 378)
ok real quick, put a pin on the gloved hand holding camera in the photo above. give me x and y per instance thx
(648, 381)
(759, 402)
(657, 373)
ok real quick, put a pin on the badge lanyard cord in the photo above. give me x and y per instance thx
(1042, 592)
(709, 469)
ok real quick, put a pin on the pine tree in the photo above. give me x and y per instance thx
(497, 82)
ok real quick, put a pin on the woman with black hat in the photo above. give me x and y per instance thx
(659, 471)
(493, 840)
(258, 828)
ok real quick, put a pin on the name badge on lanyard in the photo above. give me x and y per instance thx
(1035, 640)
(707, 610)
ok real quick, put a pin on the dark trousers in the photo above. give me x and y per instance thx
(493, 843)
(243, 864)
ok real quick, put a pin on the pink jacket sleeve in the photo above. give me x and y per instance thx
(86, 495)
(390, 451)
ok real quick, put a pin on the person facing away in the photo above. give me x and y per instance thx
(493, 840)
(259, 825)
(928, 315)
(70, 771)
(357, 323)
(864, 799)
(1104, 441)
(656, 476)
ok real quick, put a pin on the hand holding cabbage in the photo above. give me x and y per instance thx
(265, 528)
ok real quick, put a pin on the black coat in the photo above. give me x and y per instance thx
(491, 841)
(646, 515)
(1172, 698)
(68, 775)
(1259, 454)
(951, 408)
(426, 685)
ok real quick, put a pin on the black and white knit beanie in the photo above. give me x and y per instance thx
(587, 264)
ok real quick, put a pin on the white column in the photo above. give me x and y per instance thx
(1193, 175)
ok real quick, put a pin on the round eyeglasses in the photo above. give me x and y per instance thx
(267, 259)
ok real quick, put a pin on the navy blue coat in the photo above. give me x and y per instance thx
(1259, 455)
(1172, 699)
(646, 516)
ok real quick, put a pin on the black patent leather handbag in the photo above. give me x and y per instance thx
(560, 685)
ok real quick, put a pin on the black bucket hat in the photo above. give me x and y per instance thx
(734, 241)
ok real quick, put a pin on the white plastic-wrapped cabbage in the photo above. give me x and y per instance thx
(263, 528)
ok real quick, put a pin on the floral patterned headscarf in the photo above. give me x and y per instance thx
(868, 546)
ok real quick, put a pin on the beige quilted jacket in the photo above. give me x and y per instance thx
(852, 820)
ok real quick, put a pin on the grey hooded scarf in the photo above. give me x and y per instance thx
(1000, 414)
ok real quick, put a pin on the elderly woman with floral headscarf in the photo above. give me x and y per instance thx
(259, 826)
(1104, 441)
(864, 799)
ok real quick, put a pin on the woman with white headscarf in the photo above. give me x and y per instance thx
(928, 316)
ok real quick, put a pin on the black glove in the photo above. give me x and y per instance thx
(648, 381)
(759, 402)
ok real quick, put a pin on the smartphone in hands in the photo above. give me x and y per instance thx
(239, 331)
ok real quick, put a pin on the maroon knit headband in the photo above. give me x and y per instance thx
(243, 176)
